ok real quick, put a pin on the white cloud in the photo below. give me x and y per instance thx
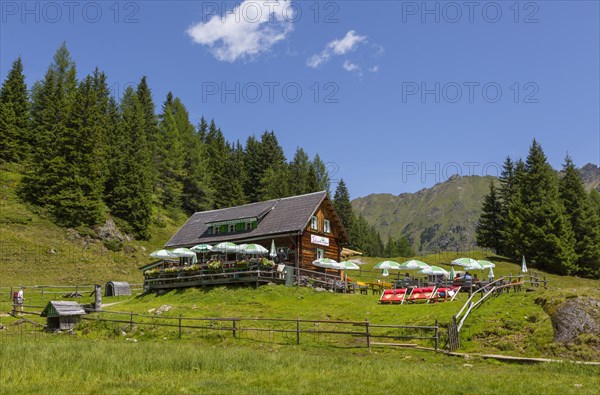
(337, 47)
(346, 44)
(374, 69)
(249, 29)
(349, 66)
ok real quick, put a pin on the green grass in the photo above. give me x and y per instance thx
(33, 250)
(71, 365)
(100, 359)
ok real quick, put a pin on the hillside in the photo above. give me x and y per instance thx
(442, 217)
(30, 242)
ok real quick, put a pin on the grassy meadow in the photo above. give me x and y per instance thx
(104, 357)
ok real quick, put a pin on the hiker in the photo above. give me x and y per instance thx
(20, 298)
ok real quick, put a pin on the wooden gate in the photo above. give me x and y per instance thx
(453, 338)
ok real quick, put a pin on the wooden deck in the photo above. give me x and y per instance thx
(251, 276)
(180, 280)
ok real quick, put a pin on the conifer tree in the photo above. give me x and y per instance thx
(232, 192)
(217, 154)
(595, 200)
(170, 154)
(196, 194)
(547, 237)
(342, 205)
(76, 198)
(275, 183)
(300, 174)
(322, 175)
(489, 228)
(144, 96)
(404, 247)
(583, 219)
(130, 198)
(14, 116)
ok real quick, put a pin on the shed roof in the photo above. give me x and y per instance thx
(62, 309)
(276, 217)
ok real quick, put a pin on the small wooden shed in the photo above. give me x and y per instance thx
(117, 288)
(63, 315)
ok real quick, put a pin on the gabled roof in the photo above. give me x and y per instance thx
(277, 216)
(62, 309)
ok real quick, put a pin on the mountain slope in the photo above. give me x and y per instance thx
(442, 217)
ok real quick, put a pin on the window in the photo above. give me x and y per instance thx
(231, 228)
(320, 253)
(314, 223)
(326, 226)
(216, 230)
(248, 225)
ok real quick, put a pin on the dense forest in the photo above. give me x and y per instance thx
(546, 216)
(86, 157)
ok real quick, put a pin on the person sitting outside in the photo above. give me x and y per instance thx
(468, 279)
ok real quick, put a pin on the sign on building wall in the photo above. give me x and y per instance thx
(320, 240)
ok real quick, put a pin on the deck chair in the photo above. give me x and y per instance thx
(393, 296)
(421, 294)
(387, 296)
(445, 294)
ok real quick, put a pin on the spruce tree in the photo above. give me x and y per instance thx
(489, 229)
(547, 237)
(14, 116)
(130, 197)
(322, 175)
(47, 117)
(217, 154)
(343, 206)
(405, 247)
(170, 154)
(275, 183)
(595, 200)
(583, 218)
(232, 191)
(144, 96)
(300, 174)
(196, 194)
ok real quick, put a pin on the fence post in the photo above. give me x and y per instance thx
(11, 294)
(368, 333)
(180, 325)
(42, 292)
(544, 281)
(297, 330)
(234, 330)
(131, 321)
(436, 335)
(76, 290)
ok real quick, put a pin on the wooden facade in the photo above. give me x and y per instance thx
(288, 222)
(312, 240)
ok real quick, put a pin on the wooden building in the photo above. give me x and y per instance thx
(305, 227)
(62, 315)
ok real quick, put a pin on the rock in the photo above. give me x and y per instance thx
(163, 308)
(575, 317)
(110, 231)
(130, 339)
(319, 289)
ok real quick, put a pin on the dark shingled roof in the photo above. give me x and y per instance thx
(281, 216)
(62, 309)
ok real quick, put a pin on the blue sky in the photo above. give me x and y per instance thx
(396, 96)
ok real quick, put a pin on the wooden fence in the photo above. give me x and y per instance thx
(292, 330)
(49, 290)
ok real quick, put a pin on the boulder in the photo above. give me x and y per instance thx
(575, 317)
(110, 231)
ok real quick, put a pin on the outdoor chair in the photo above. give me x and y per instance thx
(445, 293)
(421, 294)
(393, 296)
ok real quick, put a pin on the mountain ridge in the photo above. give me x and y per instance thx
(442, 217)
